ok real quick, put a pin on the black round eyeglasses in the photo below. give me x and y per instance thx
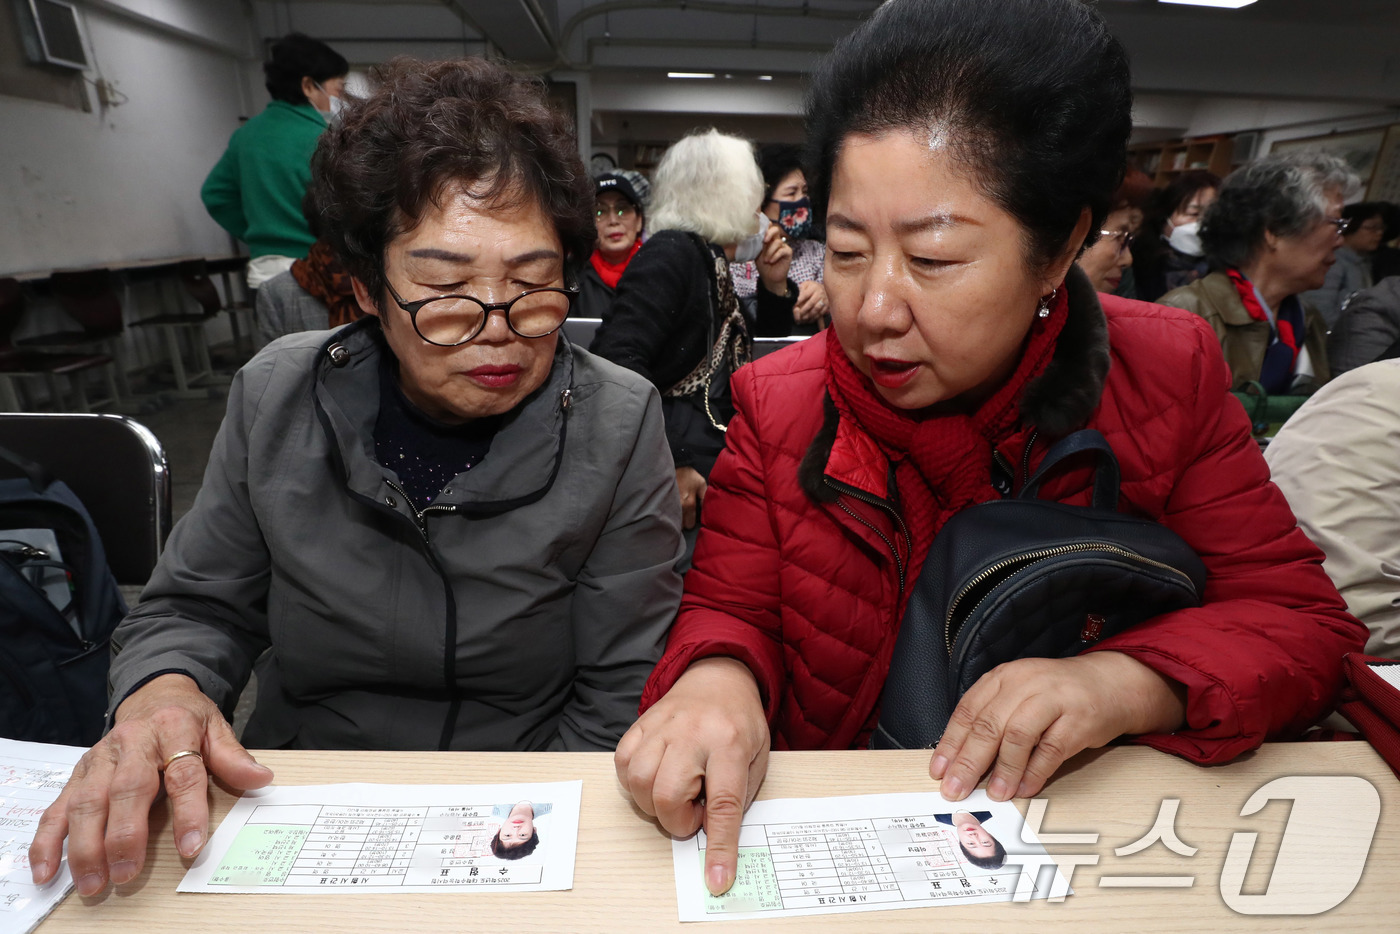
(450, 320)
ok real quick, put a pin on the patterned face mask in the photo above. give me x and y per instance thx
(795, 217)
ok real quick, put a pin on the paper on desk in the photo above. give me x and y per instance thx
(31, 776)
(1388, 673)
(806, 856)
(389, 838)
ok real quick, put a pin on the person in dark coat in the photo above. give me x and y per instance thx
(621, 214)
(1168, 253)
(1368, 328)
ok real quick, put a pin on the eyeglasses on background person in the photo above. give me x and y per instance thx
(1125, 239)
(623, 211)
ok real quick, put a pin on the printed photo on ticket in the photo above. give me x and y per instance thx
(800, 856)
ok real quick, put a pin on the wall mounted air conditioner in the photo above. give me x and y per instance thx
(51, 33)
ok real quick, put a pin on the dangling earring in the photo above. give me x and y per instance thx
(1045, 300)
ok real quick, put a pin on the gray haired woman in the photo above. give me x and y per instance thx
(676, 302)
(1271, 234)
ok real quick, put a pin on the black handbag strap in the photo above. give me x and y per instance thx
(38, 477)
(1107, 476)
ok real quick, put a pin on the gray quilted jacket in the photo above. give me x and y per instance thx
(523, 609)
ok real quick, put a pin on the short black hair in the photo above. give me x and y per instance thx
(1032, 95)
(296, 56)
(1177, 194)
(776, 161)
(995, 861)
(1362, 211)
(520, 851)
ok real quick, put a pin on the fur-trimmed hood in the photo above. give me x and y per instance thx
(1055, 403)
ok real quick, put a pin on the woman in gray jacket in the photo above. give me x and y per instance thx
(440, 527)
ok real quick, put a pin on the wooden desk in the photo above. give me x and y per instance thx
(623, 879)
(218, 262)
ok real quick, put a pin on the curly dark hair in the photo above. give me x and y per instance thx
(428, 126)
(296, 56)
(1280, 194)
(1032, 95)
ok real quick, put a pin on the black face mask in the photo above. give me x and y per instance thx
(795, 217)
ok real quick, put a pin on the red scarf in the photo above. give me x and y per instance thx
(942, 462)
(610, 273)
(1257, 312)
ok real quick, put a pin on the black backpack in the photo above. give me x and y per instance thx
(58, 608)
(1027, 578)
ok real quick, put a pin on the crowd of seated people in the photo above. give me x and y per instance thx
(442, 447)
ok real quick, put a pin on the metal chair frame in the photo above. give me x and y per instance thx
(87, 451)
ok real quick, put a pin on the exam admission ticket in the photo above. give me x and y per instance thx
(867, 853)
(404, 838)
(31, 777)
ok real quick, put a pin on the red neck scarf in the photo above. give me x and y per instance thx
(610, 273)
(1245, 288)
(942, 462)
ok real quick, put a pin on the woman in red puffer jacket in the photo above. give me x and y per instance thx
(964, 154)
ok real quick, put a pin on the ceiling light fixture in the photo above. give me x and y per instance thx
(690, 74)
(1222, 4)
(765, 77)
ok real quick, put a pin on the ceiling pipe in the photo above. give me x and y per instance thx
(704, 6)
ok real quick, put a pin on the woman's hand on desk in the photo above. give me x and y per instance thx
(104, 810)
(1028, 716)
(697, 758)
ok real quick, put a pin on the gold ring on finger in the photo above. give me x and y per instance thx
(165, 766)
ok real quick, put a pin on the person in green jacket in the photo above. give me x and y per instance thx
(255, 190)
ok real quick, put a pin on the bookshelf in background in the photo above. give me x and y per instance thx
(642, 156)
(1164, 160)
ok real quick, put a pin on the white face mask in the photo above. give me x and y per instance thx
(336, 104)
(747, 249)
(1186, 238)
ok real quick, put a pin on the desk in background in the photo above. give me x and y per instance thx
(623, 878)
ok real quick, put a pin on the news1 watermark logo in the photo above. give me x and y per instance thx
(1317, 865)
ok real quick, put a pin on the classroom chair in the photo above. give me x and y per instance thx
(126, 490)
(193, 283)
(34, 364)
(580, 331)
(89, 297)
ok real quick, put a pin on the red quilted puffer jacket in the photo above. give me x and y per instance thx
(799, 568)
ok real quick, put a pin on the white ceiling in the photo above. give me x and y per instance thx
(1344, 52)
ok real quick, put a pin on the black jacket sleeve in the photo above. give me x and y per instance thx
(649, 307)
(773, 313)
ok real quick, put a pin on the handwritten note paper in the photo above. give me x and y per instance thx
(394, 838)
(31, 776)
(804, 856)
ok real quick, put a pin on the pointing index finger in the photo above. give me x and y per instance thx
(726, 794)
